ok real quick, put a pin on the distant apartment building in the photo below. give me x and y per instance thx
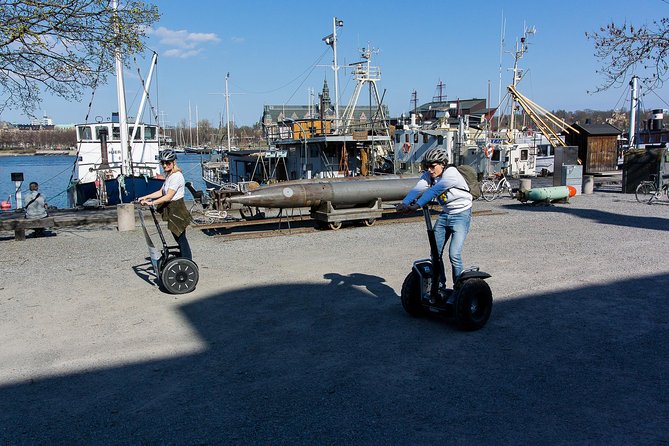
(44, 121)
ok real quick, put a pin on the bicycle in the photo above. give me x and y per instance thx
(492, 188)
(201, 211)
(647, 190)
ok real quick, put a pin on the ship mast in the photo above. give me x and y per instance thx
(521, 49)
(227, 108)
(331, 40)
(120, 94)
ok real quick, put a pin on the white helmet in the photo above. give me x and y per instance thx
(433, 156)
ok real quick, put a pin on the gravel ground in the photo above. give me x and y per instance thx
(301, 339)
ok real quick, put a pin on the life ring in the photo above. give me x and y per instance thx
(406, 147)
(489, 150)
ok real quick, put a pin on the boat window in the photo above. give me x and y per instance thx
(398, 138)
(544, 150)
(116, 132)
(524, 154)
(406, 137)
(150, 132)
(97, 131)
(138, 136)
(496, 155)
(85, 133)
(415, 138)
(440, 140)
(426, 138)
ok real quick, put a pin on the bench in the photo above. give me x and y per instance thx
(17, 223)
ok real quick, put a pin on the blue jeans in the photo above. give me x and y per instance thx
(454, 227)
(184, 247)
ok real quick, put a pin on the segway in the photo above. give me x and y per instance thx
(469, 303)
(177, 275)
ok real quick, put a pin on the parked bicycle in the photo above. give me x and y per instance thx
(647, 190)
(201, 210)
(494, 187)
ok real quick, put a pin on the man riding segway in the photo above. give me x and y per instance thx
(470, 300)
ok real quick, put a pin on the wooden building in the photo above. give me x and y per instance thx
(597, 146)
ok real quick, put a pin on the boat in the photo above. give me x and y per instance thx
(453, 126)
(116, 162)
(101, 171)
(324, 140)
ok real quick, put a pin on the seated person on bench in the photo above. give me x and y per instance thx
(36, 207)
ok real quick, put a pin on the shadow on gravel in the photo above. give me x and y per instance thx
(603, 217)
(146, 272)
(341, 363)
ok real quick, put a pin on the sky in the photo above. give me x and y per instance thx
(275, 55)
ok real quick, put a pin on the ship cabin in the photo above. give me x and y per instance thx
(99, 149)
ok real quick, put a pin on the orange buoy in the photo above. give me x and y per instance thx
(572, 191)
(5, 205)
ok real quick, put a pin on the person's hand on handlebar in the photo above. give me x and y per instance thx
(406, 208)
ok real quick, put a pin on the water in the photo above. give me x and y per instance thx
(53, 175)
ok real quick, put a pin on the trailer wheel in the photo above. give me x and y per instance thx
(369, 222)
(334, 225)
(179, 275)
(473, 304)
(411, 295)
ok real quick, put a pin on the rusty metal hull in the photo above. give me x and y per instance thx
(349, 192)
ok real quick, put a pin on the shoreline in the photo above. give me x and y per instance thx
(35, 152)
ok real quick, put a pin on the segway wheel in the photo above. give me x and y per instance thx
(473, 304)
(179, 275)
(411, 295)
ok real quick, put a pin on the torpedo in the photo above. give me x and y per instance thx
(313, 194)
(547, 193)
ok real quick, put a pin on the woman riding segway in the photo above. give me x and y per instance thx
(169, 200)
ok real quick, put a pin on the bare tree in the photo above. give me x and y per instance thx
(627, 50)
(62, 47)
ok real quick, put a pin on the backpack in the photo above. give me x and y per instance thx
(471, 177)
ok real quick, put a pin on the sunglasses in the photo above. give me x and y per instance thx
(430, 166)
(165, 163)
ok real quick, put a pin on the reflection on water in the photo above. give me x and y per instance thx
(53, 175)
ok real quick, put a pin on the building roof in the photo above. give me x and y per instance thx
(598, 129)
(273, 114)
(466, 105)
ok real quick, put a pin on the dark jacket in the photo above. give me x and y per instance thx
(176, 215)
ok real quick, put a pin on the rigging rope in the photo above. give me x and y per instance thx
(88, 113)
(310, 67)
